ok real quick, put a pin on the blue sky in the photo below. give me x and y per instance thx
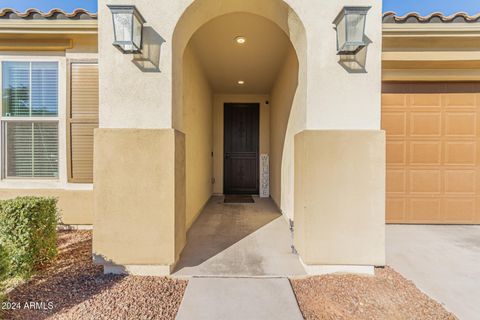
(425, 7)
(399, 6)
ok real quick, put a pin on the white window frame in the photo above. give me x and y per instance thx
(37, 182)
(9, 119)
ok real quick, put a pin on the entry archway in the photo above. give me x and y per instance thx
(339, 149)
(287, 93)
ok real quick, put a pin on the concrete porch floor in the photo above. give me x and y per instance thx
(251, 240)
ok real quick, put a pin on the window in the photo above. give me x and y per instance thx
(30, 119)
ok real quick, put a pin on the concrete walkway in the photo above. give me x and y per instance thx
(249, 240)
(239, 298)
(443, 261)
(237, 258)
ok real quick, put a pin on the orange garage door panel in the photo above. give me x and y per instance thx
(433, 152)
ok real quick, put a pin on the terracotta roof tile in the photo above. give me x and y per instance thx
(436, 17)
(54, 14)
(388, 17)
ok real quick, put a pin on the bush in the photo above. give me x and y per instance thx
(4, 269)
(28, 233)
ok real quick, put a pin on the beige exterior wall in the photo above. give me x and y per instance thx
(218, 108)
(435, 52)
(328, 107)
(83, 44)
(337, 99)
(340, 197)
(286, 120)
(139, 203)
(198, 102)
(76, 206)
(327, 97)
(47, 41)
(75, 200)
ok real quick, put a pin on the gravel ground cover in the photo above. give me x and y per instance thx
(387, 295)
(74, 288)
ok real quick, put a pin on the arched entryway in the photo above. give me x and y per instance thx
(272, 17)
(239, 82)
(159, 187)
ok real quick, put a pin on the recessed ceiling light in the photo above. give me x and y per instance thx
(240, 40)
(241, 82)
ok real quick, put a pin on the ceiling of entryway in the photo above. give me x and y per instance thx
(225, 62)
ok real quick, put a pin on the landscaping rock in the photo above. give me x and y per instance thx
(74, 288)
(387, 295)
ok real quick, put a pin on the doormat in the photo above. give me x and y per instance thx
(238, 199)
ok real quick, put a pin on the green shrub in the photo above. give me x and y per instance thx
(28, 232)
(4, 269)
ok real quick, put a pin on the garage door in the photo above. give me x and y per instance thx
(433, 152)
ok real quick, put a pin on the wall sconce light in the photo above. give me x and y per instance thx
(128, 28)
(350, 27)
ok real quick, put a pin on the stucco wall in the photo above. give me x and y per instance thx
(83, 44)
(198, 130)
(328, 97)
(437, 52)
(76, 206)
(285, 120)
(139, 203)
(336, 99)
(218, 107)
(340, 197)
(47, 42)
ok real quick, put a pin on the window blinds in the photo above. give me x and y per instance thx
(16, 89)
(30, 89)
(29, 119)
(31, 149)
(44, 86)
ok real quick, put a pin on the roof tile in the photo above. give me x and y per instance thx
(54, 14)
(436, 17)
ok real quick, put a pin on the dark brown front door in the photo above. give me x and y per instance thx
(241, 140)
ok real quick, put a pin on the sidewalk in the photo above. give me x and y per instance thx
(239, 298)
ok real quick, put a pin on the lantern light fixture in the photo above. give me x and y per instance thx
(350, 26)
(128, 28)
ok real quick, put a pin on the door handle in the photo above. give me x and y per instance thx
(227, 155)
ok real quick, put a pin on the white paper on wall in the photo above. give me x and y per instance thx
(264, 176)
